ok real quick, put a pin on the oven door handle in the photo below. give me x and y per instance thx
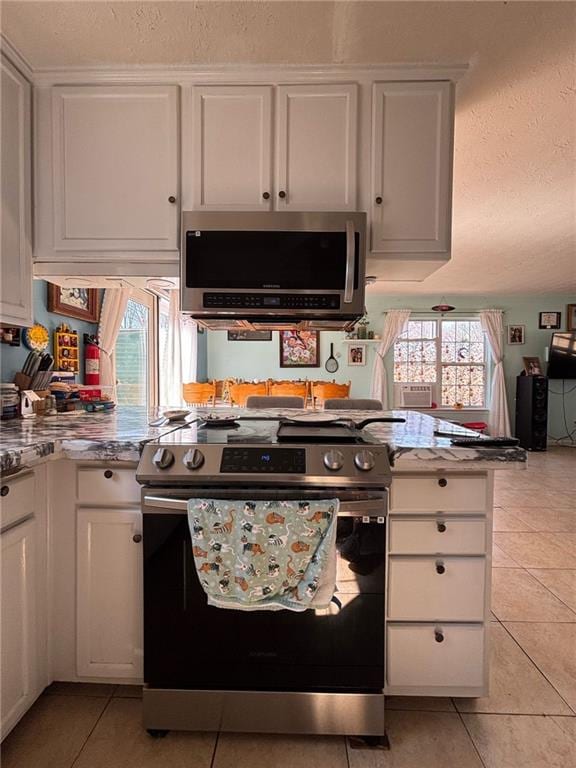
(346, 509)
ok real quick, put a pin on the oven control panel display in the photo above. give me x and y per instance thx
(264, 460)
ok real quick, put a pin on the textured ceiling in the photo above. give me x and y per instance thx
(514, 224)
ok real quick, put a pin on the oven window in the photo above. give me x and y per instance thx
(272, 260)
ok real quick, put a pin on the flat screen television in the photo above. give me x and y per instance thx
(562, 356)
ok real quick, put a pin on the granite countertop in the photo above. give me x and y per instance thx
(118, 436)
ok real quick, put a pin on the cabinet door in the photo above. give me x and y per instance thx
(316, 150)
(18, 655)
(412, 167)
(16, 253)
(109, 597)
(232, 134)
(115, 172)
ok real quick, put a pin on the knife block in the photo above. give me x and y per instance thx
(22, 381)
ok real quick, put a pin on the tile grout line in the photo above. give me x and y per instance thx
(538, 668)
(471, 739)
(215, 748)
(523, 568)
(73, 763)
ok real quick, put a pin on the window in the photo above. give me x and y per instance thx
(135, 352)
(163, 320)
(448, 354)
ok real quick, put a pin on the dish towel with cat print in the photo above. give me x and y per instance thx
(265, 555)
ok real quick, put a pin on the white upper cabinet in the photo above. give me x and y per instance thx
(232, 129)
(310, 146)
(316, 147)
(412, 135)
(16, 253)
(115, 169)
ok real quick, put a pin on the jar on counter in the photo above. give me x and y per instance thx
(9, 402)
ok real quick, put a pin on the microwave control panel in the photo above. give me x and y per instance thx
(271, 301)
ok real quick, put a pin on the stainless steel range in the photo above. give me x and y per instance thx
(208, 668)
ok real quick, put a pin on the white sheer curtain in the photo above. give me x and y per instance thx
(181, 353)
(493, 325)
(113, 308)
(394, 324)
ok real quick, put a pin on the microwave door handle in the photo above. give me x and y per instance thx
(350, 262)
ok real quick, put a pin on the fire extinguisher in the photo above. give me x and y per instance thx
(91, 360)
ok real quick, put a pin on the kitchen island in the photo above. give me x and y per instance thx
(71, 517)
(118, 436)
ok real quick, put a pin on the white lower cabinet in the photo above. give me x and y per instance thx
(438, 583)
(109, 593)
(437, 656)
(19, 666)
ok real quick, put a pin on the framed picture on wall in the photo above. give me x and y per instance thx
(357, 354)
(571, 317)
(249, 335)
(299, 349)
(516, 334)
(549, 320)
(79, 303)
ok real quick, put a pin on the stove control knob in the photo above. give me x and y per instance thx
(365, 460)
(163, 458)
(193, 459)
(333, 460)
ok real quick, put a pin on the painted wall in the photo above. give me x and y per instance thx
(12, 358)
(260, 360)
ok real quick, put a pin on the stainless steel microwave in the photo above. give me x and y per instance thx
(272, 269)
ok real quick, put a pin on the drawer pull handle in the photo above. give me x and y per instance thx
(266, 195)
(171, 199)
(442, 482)
(438, 636)
(441, 527)
(137, 538)
(108, 474)
(5, 490)
(440, 568)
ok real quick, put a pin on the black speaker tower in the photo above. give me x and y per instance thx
(532, 412)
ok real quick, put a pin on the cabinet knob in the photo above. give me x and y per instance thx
(441, 527)
(442, 482)
(266, 195)
(438, 636)
(5, 490)
(440, 568)
(137, 538)
(378, 200)
(282, 194)
(171, 199)
(108, 474)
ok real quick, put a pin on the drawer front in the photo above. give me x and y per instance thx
(416, 658)
(107, 485)
(17, 499)
(442, 536)
(436, 589)
(439, 492)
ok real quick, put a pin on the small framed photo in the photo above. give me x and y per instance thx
(357, 354)
(516, 334)
(571, 317)
(549, 320)
(532, 366)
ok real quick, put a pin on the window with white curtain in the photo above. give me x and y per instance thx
(450, 354)
(136, 352)
(163, 320)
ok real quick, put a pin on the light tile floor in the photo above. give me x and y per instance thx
(528, 721)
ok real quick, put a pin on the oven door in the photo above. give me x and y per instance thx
(191, 645)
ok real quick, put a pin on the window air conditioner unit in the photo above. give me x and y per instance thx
(415, 395)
